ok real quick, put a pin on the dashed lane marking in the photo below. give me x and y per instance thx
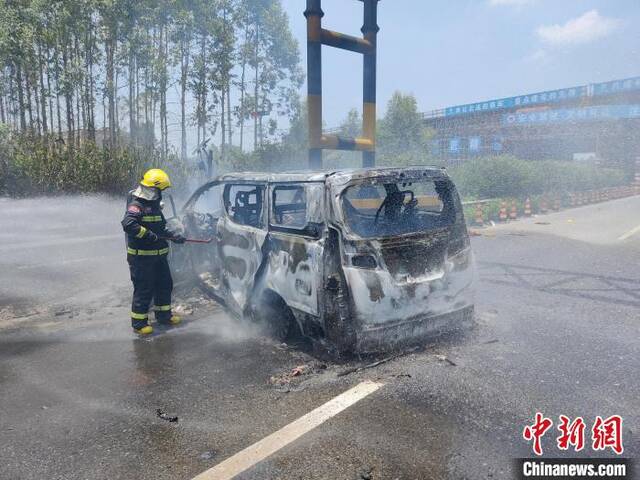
(257, 452)
(630, 233)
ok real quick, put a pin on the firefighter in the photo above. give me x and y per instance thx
(147, 250)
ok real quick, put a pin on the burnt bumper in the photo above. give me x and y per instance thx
(413, 331)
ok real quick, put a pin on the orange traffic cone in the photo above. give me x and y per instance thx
(543, 205)
(479, 216)
(527, 207)
(503, 211)
(513, 214)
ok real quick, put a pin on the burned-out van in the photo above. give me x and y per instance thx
(359, 260)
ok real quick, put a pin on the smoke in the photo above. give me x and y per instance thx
(222, 327)
(55, 250)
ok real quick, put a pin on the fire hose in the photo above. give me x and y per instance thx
(190, 240)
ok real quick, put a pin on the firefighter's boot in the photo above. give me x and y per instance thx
(142, 328)
(171, 321)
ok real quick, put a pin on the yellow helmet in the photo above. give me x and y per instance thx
(156, 178)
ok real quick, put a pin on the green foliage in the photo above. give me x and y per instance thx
(34, 167)
(506, 176)
(402, 137)
(351, 127)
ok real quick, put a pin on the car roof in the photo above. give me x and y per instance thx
(338, 176)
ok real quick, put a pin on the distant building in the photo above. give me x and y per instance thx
(595, 122)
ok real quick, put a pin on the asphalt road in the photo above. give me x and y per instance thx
(557, 331)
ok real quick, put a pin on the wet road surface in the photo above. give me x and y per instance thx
(557, 331)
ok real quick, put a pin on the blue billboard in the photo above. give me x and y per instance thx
(616, 86)
(570, 115)
(551, 96)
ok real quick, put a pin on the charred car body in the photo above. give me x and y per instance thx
(358, 260)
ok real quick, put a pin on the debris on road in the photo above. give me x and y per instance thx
(542, 223)
(183, 310)
(287, 377)
(366, 473)
(295, 374)
(298, 370)
(192, 301)
(166, 417)
(208, 455)
(349, 371)
(444, 358)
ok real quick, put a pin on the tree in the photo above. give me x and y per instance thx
(65, 62)
(351, 127)
(401, 132)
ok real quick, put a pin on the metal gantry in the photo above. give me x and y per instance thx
(318, 36)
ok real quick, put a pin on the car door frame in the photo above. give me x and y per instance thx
(294, 267)
(240, 250)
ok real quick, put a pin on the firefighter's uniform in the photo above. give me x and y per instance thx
(147, 251)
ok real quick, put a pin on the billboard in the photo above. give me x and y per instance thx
(551, 96)
(570, 115)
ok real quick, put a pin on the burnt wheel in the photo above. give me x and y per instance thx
(273, 314)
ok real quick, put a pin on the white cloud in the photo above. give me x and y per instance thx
(583, 29)
(509, 3)
(539, 56)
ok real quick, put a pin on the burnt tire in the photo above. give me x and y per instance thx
(275, 317)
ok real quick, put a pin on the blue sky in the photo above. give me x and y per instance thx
(449, 52)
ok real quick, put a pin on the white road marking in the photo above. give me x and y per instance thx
(260, 450)
(630, 233)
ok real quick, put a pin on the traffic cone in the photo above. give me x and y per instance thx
(543, 205)
(513, 214)
(527, 207)
(503, 211)
(479, 216)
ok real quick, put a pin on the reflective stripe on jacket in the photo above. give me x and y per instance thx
(141, 217)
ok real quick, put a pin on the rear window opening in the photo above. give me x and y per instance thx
(388, 209)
